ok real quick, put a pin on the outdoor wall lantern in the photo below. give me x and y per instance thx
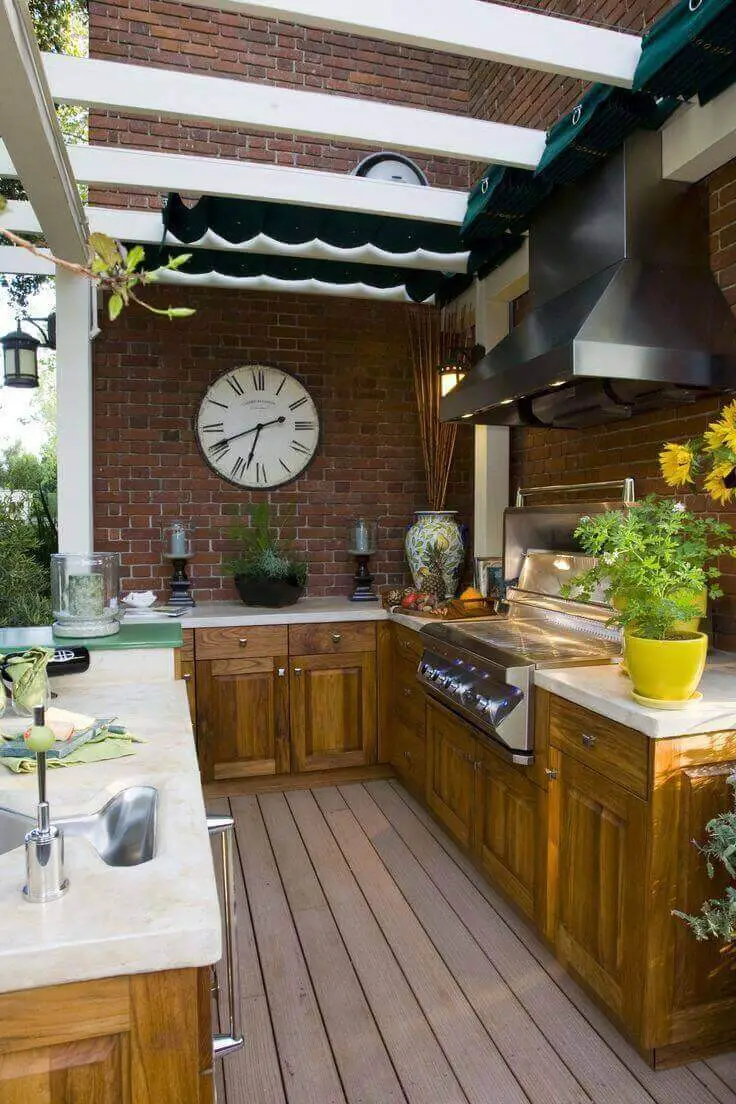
(456, 365)
(20, 349)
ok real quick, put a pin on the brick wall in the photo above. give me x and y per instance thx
(352, 355)
(173, 36)
(541, 456)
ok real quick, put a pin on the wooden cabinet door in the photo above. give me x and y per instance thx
(596, 875)
(242, 717)
(451, 757)
(510, 846)
(333, 710)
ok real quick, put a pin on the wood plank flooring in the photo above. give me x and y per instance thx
(378, 967)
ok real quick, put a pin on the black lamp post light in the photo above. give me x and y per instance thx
(20, 351)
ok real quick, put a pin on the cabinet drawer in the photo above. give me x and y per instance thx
(619, 753)
(408, 756)
(336, 636)
(237, 643)
(408, 643)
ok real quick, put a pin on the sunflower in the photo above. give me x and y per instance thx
(716, 437)
(715, 486)
(676, 464)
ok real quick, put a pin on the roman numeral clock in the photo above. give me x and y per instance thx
(257, 426)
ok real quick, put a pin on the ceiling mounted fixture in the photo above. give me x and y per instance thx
(20, 351)
(393, 167)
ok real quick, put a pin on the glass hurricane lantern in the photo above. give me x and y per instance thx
(363, 543)
(85, 591)
(178, 549)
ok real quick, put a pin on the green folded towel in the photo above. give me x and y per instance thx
(107, 744)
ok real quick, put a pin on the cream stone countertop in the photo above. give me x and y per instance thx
(216, 615)
(605, 690)
(160, 915)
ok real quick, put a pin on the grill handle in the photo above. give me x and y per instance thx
(626, 486)
(222, 1044)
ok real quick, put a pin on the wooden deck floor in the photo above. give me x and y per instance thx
(377, 967)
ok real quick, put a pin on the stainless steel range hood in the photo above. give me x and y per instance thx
(626, 315)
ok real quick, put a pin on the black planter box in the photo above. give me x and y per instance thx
(267, 592)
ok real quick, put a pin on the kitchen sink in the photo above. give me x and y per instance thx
(13, 828)
(123, 832)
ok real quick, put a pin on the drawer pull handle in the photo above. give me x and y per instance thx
(550, 772)
(336, 638)
(243, 641)
(297, 670)
(281, 671)
(588, 740)
(186, 678)
(407, 755)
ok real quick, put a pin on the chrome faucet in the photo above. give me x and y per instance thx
(45, 879)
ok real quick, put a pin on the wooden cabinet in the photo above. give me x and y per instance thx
(451, 757)
(123, 1040)
(242, 717)
(597, 850)
(406, 707)
(185, 670)
(333, 710)
(509, 835)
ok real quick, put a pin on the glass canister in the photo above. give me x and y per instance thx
(85, 590)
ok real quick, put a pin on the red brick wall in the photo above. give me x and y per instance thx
(173, 36)
(352, 355)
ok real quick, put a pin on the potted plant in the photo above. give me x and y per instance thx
(655, 560)
(265, 571)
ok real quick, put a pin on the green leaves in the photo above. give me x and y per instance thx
(717, 917)
(655, 559)
(114, 306)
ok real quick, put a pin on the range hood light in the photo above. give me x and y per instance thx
(505, 402)
(558, 383)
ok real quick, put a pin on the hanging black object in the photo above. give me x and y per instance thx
(690, 51)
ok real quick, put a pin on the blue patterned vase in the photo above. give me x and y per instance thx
(436, 529)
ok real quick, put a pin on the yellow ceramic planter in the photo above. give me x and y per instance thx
(668, 670)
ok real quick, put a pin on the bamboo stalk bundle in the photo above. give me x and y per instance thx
(432, 339)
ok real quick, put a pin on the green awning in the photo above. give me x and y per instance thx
(690, 51)
(501, 202)
(595, 127)
(258, 244)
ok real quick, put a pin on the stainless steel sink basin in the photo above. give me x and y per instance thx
(13, 828)
(123, 832)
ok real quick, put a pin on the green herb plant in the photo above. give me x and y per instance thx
(264, 550)
(717, 917)
(654, 561)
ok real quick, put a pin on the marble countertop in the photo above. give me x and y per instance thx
(160, 915)
(606, 691)
(214, 615)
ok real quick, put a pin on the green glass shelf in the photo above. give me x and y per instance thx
(152, 634)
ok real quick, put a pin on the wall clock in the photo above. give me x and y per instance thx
(257, 426)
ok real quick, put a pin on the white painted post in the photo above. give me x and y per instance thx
(491, 442)
(74, 413)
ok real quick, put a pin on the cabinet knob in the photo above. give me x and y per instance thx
(407, 692)
(186, 678)
(297, 670)
(281, 671)
(407, 755)
(336, 638)
(550, 772)
(588, 740)
(243, 641)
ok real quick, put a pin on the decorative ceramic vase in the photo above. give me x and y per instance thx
(666, 670)
(435, 540)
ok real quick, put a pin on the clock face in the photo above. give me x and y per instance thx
(257, 426)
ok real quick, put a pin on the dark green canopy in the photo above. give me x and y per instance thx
(690, 51)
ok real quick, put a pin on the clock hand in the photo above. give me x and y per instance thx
(253, 429)
(253, 449)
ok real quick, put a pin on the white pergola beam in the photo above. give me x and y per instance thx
(32, 135)
(698, 140)
(141, 90)
(146, 227)
(468, 28)
(111, 167)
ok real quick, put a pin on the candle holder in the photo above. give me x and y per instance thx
(363, 542)
(178, 550)
(85, 590)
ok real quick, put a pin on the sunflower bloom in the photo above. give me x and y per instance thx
(727, 421)
(715, 486)
(716, 437)
(676, 464)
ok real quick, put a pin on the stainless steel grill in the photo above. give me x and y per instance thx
(484, 669)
